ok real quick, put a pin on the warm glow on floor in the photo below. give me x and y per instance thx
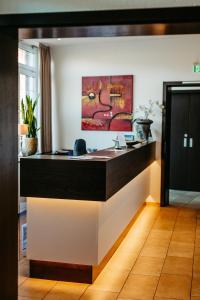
(158, 259)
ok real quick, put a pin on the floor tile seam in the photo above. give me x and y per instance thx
(182, 220)
(144, 242)
(88, 286)
(84, 292)
(32, 298)
(132, 266)
(193, 260)
(153, 244)
(138, 254)
(186, 222)
(192, 231)
(165, 218)
(148, 275)
(179, 241)
(196, 232)
(183, 231)
(186, 243)
(182, 224)
(166, 254)
(129, 271)
(193, 264)
(168, 298)
(49, 291)
(19, 285)
(174, 274)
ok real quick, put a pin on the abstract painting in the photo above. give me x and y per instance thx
(107, 103)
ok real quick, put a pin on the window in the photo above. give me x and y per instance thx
(28, 73)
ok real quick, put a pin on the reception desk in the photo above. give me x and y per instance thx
(79, 209)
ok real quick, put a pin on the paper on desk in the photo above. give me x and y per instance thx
(89, 157)
(80, 157)
(99, 156)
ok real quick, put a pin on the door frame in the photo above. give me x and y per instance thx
(155, 21)
(166, 135)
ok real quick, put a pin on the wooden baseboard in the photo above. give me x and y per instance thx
(60, 271)
(73, 272)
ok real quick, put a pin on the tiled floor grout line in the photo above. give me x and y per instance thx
(22, 282)
(131, 268)
(138, 254)
(178, 213)
(84, 291)
(43, 297)
(133, 263)
(166, 254)
(193, 260)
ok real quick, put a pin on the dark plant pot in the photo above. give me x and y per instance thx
(145, 126)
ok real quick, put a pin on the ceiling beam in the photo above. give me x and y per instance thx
(107, 17)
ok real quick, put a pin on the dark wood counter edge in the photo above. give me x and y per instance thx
(74, 272)
(104, 152)
(94, 180)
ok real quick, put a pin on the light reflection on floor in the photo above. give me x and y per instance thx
(158, 259)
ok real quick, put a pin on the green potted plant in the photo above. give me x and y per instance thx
(28, 116)
(144, 122)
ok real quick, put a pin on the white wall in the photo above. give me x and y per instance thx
(151, 60)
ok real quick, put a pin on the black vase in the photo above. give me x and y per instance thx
(145, 126)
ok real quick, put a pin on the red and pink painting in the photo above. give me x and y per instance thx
(107, 103)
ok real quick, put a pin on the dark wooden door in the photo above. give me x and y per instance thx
(194, 142)
(178, 153)
(185, 140)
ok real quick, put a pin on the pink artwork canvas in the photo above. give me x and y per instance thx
(107, 103)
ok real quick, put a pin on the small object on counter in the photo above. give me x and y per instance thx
(119, 141)
(129, 137)
(130, 144)
(62, 152)
(117, 145)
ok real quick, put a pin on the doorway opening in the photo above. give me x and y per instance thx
(180, 144)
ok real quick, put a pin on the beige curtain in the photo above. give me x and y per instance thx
(45, 86)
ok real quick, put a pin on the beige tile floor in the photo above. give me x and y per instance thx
(159, 259)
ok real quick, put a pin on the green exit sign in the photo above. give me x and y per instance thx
(196, 68)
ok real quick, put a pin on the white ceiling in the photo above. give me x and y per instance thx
(52, 42)
(31, 6)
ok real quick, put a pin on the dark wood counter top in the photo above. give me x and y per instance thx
(95, 176)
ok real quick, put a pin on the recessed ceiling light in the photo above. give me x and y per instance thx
(58, 39)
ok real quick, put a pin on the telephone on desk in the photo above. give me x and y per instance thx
(63, 152)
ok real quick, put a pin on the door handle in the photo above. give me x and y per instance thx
(191, 143)
(185, 140)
